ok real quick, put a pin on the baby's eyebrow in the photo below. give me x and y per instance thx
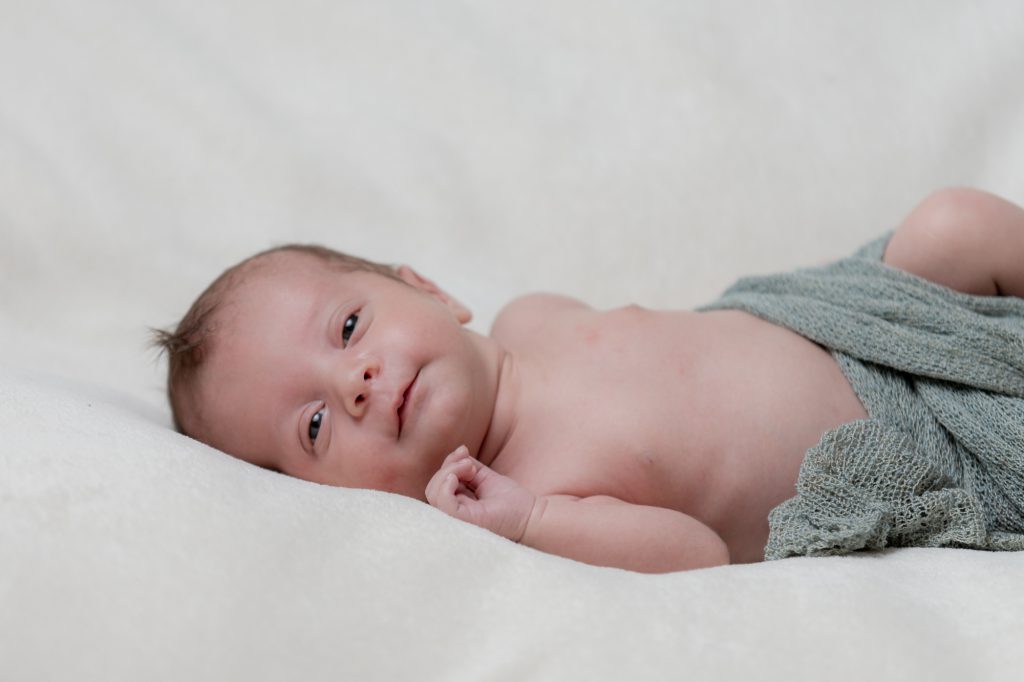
(316, 307)
(312, 327)
(332, 322)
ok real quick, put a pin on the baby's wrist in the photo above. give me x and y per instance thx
(533, 520)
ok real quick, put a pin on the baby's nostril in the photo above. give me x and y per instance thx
(366, 375)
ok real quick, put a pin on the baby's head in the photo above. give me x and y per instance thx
(331, 368)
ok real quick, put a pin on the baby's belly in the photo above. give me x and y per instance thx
(719, 425)
(772, 394)
(707, 413)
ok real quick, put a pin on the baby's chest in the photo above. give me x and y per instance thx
(606, 416)
(664, 410)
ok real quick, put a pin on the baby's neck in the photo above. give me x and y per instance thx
(506, 400)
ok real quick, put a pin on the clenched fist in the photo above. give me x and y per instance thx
(470, 491)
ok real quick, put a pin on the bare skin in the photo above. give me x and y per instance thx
(649, 440)
(707, 414)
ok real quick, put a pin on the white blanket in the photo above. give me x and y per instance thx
(644, 151)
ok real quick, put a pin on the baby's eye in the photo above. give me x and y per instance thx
(350, 326)
(314, 426)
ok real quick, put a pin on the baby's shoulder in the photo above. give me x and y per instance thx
(526, 315)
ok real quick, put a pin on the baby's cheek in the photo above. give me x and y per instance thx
(386, 475)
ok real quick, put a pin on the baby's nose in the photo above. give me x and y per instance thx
(359, 385)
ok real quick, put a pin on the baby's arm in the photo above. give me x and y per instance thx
(964, 239)
(606, 531)
(598, 530)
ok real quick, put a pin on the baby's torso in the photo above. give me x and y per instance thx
(706, 413)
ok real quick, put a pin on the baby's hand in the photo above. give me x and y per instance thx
(470, 491)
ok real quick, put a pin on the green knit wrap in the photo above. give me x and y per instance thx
(940, 460)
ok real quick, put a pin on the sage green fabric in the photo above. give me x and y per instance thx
(940, 460)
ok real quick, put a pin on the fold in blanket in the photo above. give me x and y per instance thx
(940, 460)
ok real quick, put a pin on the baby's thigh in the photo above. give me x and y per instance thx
(962, 238)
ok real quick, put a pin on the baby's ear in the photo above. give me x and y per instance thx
(413, 278)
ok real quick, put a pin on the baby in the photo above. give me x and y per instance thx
(652, 440)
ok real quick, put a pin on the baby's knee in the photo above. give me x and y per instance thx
(950, 209)
(959, 217)
(956, 213)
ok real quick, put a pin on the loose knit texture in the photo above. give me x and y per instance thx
(940, 460)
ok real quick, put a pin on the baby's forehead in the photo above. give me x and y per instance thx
(263, 290)
(287, 284)
(283, 270)
(254, 327)
(283, 263)
(269, 286)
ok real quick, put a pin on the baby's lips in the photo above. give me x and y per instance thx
(398, 406)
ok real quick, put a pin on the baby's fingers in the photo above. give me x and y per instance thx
(446, 500)
(449, 481)
(459, 453)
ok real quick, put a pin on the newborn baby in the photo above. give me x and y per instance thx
(652, 440)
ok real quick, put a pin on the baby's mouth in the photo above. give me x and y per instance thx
(405, 401)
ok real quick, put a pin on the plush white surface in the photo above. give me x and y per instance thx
(643, 151)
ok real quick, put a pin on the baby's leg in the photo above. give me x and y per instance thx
(964, 239)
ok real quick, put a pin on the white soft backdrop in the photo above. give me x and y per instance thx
(648, 151)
